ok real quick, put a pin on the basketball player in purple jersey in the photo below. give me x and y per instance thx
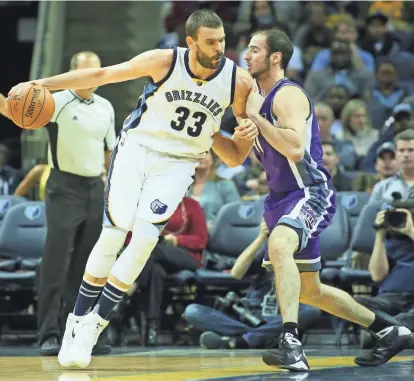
(300, 205)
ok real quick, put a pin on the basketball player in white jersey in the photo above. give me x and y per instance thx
(175, 123)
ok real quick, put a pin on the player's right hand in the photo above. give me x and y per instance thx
(246, 130)
(254, 101)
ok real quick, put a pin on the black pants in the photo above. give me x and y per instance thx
(164, 260)
(390, 303)
(74, 213)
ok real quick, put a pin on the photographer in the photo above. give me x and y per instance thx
(254, 319)
(392, 262)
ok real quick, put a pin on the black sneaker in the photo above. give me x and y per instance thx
(211, 340)
(290, 355)
(390, 342)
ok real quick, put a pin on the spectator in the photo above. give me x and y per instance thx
(386, 166)
(211, 191)
(337, 97)
(384, 97)
(257, 14)
(340, 181)
(357, 127)
(249, 181)
(37, 176)
(222, 331)
(345, 29)
(398, 122)
(403, 181)
(377, 40)
(344, 148)
(342, 71)
(313, 35)
(392, 266)
(180, 248)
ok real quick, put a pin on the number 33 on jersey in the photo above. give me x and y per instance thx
(180, 114)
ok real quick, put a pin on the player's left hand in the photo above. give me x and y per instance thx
(408, 229)
(170, 239)
(254, 101)
(246, 130)
(23, 84)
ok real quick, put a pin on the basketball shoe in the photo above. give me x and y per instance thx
(389, 342)
(86, 335)
(68, 338)
(289, 354)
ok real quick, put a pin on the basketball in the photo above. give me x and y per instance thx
(31, 106)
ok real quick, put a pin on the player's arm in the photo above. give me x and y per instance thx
(154, 63)
(30, 181)
(291, 107)
(234, 151)
(3, 106)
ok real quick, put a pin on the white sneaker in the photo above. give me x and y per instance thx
(86, 336)
(68, 338)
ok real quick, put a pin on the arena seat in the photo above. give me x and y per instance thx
(353, 203)
(22, 238)
(336, 237)
(362, 241)
(6, 202)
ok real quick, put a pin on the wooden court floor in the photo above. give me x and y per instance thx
(196, 364)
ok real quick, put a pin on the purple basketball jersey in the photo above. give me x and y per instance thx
(284, 175)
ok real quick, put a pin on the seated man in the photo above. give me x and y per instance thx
(223, 331)
(392, 263)
(386, 166)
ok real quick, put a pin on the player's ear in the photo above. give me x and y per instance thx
(276, 58)
(190, 42)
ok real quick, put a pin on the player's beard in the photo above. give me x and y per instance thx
(205, 61)
(262, 72)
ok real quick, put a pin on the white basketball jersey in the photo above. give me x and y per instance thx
(180, 114)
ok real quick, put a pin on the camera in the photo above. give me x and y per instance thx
(232, 303)
(394, 218)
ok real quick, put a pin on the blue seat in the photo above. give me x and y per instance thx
(353, 203)
(335, 238)
(22, 236)
(362, 241)
(236, 227)
(6, 202)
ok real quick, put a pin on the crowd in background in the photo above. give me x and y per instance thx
(356, 62)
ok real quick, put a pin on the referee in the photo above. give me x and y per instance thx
(81, 140)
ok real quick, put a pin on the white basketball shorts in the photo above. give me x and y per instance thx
(144, 183)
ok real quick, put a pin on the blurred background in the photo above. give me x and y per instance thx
(354, 58)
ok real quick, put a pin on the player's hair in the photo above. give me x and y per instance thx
(405, 136)
(278, 41)
(202, 17)
(74, 61)
(329, 143)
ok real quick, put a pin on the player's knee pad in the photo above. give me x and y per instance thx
(104, 253)
(135, 256)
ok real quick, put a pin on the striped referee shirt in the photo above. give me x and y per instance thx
(79, 133)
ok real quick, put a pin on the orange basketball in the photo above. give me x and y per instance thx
(31, 106)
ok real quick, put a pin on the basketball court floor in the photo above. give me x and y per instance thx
(185, 364)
